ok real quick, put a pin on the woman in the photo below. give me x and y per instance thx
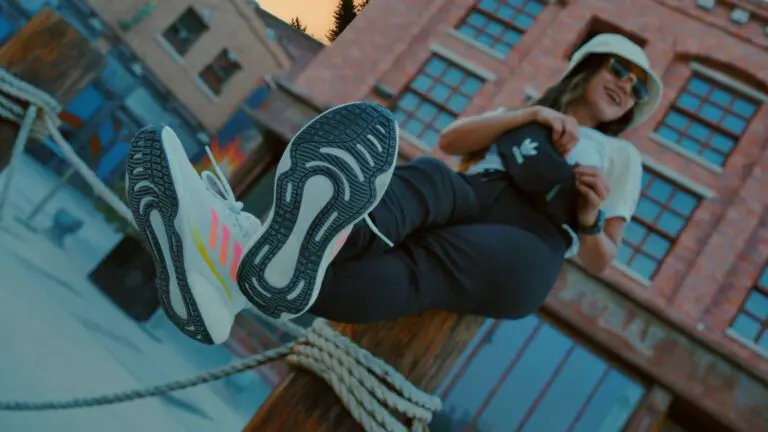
(353, 238)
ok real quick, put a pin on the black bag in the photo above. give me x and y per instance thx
(540, 172)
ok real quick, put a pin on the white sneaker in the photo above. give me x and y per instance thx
(196, 232)
(332, 174)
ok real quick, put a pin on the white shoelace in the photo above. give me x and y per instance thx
(220, 180)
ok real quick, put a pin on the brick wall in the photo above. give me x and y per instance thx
(724, 247)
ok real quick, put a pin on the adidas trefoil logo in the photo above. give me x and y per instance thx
(527, 148)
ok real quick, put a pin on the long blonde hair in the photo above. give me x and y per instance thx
(558, 97)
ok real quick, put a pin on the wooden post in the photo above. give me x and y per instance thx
(423, 348)
(54, 57)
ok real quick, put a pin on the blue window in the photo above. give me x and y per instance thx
(751, 322)
(662, 213)
(527, 375)
(438, 94)
(500, 24)
(707, 119)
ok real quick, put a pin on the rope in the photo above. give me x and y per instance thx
(37, 114)
(367, 386)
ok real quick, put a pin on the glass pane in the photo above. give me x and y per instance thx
(670, 223)
(568, 393)
(699, 131)
(477, 19)
(690, 145)
(688, 101)
(714, 157)
(506, 13)
(400, 116)
(656, 246)
(444, 120)
(712, 112)
(647, 210)
(452, 77)
(523, 21)
(668, 133)
(762, 281)
(436, 66)
(757, 305)
(414, 127)
(470, 391)
(721, 97)
(422, 83)
(624, 254)
(489, 5)
(734, 124)
(676, 120)
(746, 327)
(427, 112)
(494, 28)
(440, 92)
(698, 86)
(409, 101)
(512, 37)
(430, 137)
(660, 190)
(467, 30)
(612, 405)
(634, 233)
(526, 380)
(763, 341)
(644, 266)
(484, 39)
(683, 203)
(744, 108)
(458, 102)
(534, 7)
(721, 142)
(471, 86)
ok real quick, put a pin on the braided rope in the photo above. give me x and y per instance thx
(17, 100)
(366, 385)
(351, 371)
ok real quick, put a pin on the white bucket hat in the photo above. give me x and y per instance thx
(620, 46)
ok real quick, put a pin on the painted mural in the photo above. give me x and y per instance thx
(232, 145)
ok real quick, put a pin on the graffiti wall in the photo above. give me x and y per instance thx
(232, 145)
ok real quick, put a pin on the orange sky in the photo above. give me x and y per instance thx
(316, 14)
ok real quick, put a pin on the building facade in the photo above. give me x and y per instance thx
(674, 336)
(211, 55)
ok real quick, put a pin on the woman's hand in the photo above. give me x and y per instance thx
(594, 190)
(565, 129)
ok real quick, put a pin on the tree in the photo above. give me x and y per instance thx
(345, 13)
(297, 24)
(361, 5)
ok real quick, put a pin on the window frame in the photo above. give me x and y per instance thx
(506, 23)
(225, 52)
(650, 225)
(424, 95)
(177, 23)
(715, 82)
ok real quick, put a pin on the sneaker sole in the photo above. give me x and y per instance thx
(333, 173)
(153, 200)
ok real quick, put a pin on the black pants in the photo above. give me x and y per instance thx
(464, 243)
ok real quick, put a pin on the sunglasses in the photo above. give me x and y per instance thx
(622, 70)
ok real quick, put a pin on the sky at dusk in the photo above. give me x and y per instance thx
(316, 14)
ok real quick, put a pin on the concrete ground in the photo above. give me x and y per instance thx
(60, 337)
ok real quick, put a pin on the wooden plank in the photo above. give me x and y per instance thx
(423, 348)
(51, 55)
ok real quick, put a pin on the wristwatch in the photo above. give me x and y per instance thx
(597, 227)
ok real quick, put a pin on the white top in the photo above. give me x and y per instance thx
(619, 161)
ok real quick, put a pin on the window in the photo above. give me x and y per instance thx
(661, 215)
(751, 322)
(707, 119)
(433, 100)
(526, 375)
(500, 24)
(220, 70)
(185, 31)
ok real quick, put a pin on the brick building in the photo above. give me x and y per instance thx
(674, 336)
